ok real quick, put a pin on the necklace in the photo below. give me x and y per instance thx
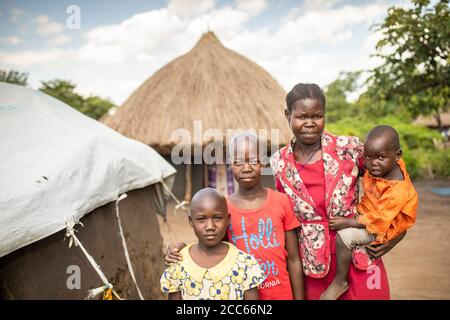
(302, 164)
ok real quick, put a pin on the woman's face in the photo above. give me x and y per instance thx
(307, 120)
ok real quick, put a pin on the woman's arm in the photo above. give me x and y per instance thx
(294, 265)
(377, 251)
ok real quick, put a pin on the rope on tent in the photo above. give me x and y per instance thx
(125, 248)
(179, 205)
(70, 233)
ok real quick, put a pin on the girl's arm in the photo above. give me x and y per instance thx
(251, 294)
(294, 265)
(173, 253)
(175, 296)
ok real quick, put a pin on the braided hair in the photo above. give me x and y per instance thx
(304, 91)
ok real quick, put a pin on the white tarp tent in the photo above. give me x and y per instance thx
(57, 164)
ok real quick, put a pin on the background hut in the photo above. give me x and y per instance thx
(211, 84)
(431, 122)
(56, 166)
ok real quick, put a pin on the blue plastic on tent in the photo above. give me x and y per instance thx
(441, 191)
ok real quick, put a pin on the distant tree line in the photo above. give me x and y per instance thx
(92, 106)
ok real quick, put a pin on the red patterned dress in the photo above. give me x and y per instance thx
(318, 191)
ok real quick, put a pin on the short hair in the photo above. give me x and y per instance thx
(207, 193)
(239, 137)
(303, 91)
(385, 131)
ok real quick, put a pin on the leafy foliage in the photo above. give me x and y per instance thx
(415, 52)
(91, 106)
(14, 77)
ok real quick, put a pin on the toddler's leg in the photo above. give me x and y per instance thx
(343, 259)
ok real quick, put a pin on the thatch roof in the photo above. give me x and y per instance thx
(210, 83)
(431, 122)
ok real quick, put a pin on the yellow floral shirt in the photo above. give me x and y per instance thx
(228, 280)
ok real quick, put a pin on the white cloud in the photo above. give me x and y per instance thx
(45, 26)
(189, 8)
(252, 7)
(28, 58)
(325, 25)
(157, 34)
(144, 34)
(317, 5)
(368, 60)
(10, 40)
(16, 14)
(58, 40)
(304, 46)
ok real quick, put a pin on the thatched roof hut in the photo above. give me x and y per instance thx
(430, 121)
(212, 84)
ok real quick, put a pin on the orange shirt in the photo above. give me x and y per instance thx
(388, 207)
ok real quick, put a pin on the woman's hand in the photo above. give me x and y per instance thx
(173, 253)
(377, 251)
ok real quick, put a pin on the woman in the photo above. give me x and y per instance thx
(319, 172)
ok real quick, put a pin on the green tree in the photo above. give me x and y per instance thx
(337, 92)
(415, 52)
(370, 107)
(63, 90)
(15, 77)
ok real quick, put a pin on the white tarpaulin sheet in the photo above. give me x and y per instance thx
(57, 164)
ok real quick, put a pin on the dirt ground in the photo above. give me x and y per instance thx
(418, 267)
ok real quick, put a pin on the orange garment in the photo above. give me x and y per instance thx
(388, 207)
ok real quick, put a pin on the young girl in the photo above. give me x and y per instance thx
(212, 269)
(262, 224)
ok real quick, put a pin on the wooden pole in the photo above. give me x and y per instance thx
(188, 187)
(205, 175)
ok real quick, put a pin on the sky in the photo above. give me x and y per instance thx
(109, 48)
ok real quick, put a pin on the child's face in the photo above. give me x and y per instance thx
(379, 156)
(246, 164)
(209, 219)
(307, 120)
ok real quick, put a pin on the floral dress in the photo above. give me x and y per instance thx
(342, 160)
(228, 280)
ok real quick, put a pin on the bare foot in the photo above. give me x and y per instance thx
(334, 291)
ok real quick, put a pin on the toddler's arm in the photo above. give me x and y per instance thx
(338, 223)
